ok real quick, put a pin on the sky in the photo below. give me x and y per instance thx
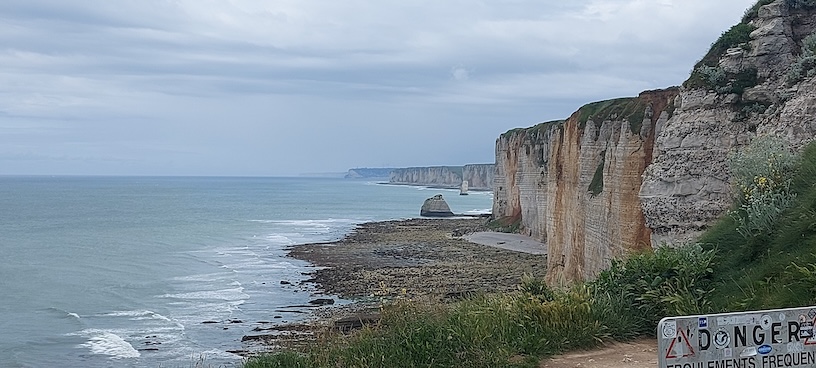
(286, 87)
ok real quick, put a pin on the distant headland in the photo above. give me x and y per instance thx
(478, 176)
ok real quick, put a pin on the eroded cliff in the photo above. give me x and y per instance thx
(763, 85)
(629, 174)
(479, 176)
(575, 183)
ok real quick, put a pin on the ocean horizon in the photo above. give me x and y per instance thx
(148, 271)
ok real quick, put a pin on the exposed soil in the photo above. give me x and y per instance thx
(640, 353)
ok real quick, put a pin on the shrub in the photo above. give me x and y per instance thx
(762, 174)
(801, 4)
(805, 65)
(713, 76)
(753, 12)
(738, 35)
(717, 79)
(666, 282)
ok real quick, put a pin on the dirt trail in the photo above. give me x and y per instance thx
(641, 353)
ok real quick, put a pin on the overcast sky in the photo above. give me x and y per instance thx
(283, 87)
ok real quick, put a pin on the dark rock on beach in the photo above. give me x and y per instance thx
(322, 301)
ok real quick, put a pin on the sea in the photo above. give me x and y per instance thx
(170, 271)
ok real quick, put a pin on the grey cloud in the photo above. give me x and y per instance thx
(190, 86)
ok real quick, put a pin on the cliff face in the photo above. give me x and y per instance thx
(687, 188)
(629, 174)
(574, 184)
(479, 177)
(365, 172)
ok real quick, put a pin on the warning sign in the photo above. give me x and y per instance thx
(680, 347)
(763, 339)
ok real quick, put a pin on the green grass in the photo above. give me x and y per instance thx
(533, 130)
(629, 109)
(509, 224)
(502, 331)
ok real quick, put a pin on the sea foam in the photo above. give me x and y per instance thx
(107, 343)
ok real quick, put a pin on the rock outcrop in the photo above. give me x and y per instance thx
(435, 207)
(479, 176)
(629, 174)
(687, 187)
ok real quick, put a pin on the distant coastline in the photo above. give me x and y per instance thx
(450, 187)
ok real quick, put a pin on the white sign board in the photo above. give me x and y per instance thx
(778, 338)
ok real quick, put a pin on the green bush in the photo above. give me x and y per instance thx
(666, 282)
(805, 65)
(738, 35)
(755, 273)
(753, 12)
(801, 4)
(716, 79)
(762, 174)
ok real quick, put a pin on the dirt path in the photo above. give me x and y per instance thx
(640, 353)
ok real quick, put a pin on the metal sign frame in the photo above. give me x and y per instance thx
(778, 338)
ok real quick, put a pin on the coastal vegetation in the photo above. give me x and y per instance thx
(729, 269)
(805, 65)
(596, 185)
(630, 109)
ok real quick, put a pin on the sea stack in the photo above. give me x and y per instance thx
(435, 207)
(463, 189)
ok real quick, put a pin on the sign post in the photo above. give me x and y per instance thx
(777, 338)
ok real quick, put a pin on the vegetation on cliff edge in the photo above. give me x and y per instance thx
(629, 109)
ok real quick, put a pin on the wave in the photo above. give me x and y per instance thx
(323, 224)
(104, 342)
(137, 313)
(233, 294)
(63, 313)
(280, 239)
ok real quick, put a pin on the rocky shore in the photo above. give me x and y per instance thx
(418, 259)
